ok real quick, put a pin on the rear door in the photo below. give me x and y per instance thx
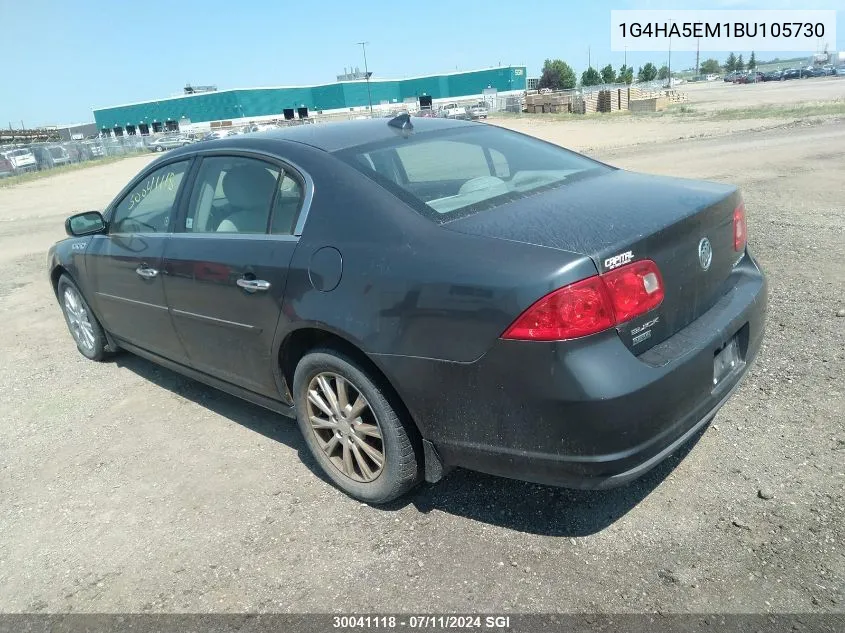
(227, 264)
(125, 265)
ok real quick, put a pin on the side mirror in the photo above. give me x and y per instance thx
(87, 223)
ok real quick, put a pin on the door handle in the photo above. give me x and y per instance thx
(253, 285)
(146, 272)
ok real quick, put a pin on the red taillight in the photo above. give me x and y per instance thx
(591, 305)
(634, 289)
(740, 227)
(576, 310)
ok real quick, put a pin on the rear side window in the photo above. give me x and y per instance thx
(464, 170)
(234, 194)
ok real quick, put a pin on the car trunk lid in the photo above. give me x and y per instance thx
(622, 217)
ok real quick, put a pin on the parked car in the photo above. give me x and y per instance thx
(426, 113)
(454, 111)
(629, 310)
(749, 77)
(818, 71)
(729, 78)
(21, 158)
(479, 111)
(217, 134)
(6, 167)
(773, 75)
(50, 156)
(262, 127)
(791, 73)
(168, 141)
(840, 71)
(95, 149)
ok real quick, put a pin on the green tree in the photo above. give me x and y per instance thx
(557, 75)
(710, 67)
(663, 73)
(590, 77)
(647, 72)
(730, 63)
(626, 75)
(740, 65)
(752, 61)
(608, 76)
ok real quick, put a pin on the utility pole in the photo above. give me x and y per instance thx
(363, 46)
(697, 51)
(670, 61)
(589, 58)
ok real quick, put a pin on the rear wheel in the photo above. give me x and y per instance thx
(361, 441)
(83, 325)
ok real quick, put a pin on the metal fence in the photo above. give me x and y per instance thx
(22, 157)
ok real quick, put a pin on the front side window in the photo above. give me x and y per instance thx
(459, 171)
(234, 194)
(148, 207)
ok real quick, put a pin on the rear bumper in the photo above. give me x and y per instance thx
(584, 413)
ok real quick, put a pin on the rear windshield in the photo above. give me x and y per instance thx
(18, 152)
(460, 171)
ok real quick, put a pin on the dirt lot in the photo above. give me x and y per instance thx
(127, 488)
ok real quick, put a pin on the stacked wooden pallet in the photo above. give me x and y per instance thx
(549, 102)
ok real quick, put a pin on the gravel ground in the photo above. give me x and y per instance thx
(124, 487)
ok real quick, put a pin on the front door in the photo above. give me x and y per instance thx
(125, 264)
(226, 267)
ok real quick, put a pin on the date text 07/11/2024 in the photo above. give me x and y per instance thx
(367, 622)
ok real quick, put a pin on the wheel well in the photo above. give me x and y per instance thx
(299, 342)
(55, 274)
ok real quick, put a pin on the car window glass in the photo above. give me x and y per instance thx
(286, 206)
(424, 162)
(500, 164)
(147, 208)
(232, 194)
(456, 172)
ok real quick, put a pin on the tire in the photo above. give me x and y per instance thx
(84, 327)
(159, 148)
(397, 442)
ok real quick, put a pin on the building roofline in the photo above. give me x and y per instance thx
(332, 83)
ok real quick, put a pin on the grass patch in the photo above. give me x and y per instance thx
(798, 111)
(11, 181)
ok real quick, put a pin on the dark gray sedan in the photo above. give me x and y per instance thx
(425, 293)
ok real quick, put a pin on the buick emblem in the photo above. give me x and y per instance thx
(705, 253)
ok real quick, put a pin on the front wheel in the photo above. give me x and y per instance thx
(83, 325)
(159, 148)
(362, 441)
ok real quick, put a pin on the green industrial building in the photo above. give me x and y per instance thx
(303, 101)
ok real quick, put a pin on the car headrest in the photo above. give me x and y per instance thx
(248, 186)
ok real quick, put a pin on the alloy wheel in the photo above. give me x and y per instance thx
(79, 320)
(345, 427)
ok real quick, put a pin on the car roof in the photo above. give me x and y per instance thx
(329, 137)
(333, 137)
